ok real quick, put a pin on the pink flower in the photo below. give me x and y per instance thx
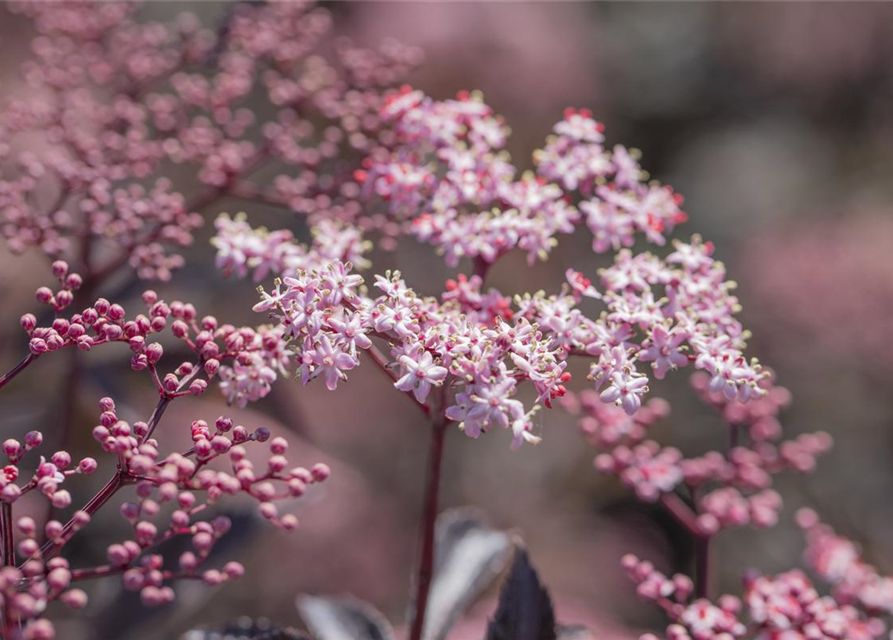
(626, 389)
(664, 350)
(420, 375)
(331, 361)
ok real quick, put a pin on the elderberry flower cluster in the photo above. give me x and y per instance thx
(782, 607)
(445, 179)
(241, 248)
(838, 561)
(432, 344)
(172, 492)
(245, 360)
(732, 489)
(111, 99)
(450, 175)
(174, 489)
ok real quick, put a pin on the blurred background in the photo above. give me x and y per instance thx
(776, 123)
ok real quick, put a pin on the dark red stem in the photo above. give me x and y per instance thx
(16, 370)
(702, 566)
(687, 517)
(426, 532)
(6, 542)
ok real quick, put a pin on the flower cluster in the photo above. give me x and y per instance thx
(173, 489)
(443, 174)
(450, 175)
(431, 343)
(838, 561)
(241, 248)
(731, 489)
(111, 99)
(245, 360)
(190, 484)
(184, 482)
(782, 607)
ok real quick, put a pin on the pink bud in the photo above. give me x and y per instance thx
(180, 329)
(202, 542)
(27, 526)
(116, 312)
(37, 629)
(233, 570)
(63, 299)
(140, 465)
(28, 322)
(74, 598)
(188, 561)
(62, 460)
(59, 579)
(37, 346)
(154, 352)
(60, 268)
(211, 367)
(53, 529)
(102, 306)
(28, 548)
(130, 511)
(321, 472)
(221, 525)
(10, 493)
(296, 487)
(186, 500)
(44, 294)
(61, 499)
(33, 439)
(268, 510)
(708, 524)
(54, 341)
(145, 533)
(12, 449)
(212, 577)
(118, 555)
(279, 445)
(79, 520)
(170, 383)
(197, 387)
(153, 596)
(276, 464)
(73, 282)
(220, 444)
(150, 297)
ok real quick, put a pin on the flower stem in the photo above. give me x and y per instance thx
(687, 517)
(425, 570)
(702, 566)
(6, 542)
(16, 370)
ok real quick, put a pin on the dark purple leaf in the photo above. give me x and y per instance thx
(525, 609)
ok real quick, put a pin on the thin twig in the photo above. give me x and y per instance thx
(16, 370)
